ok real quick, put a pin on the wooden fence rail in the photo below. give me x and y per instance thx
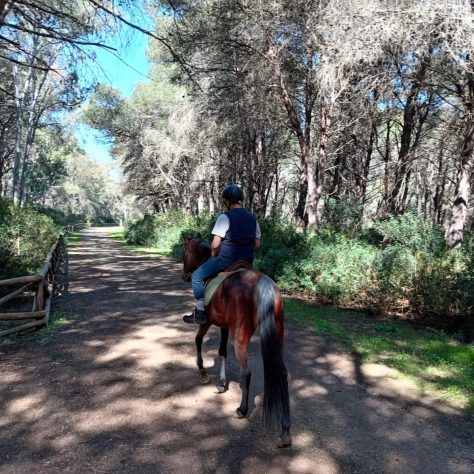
(40, 285)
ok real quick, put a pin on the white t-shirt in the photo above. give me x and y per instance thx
(222, 226)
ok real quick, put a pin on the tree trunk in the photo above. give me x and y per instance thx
(324, 126)
(459, 211)
(260, 154)
(383, 208)
(19, 95)
(337, 177)
(455, 234)
(368, 160)
(22, 97)
(438, 197)
(396, 198)
(307, 178)
(6, 151)
(34, 116)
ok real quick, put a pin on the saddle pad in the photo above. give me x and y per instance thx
(212, 285)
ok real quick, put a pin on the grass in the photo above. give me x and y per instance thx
(118, 235)
(43, 335)
(47, 333)
(434, 361)
(73, 238)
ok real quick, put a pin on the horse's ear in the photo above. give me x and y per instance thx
(198, 236)
(184, 237)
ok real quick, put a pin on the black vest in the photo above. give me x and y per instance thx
(239, 240)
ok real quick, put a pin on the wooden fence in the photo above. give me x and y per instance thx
(39, 286)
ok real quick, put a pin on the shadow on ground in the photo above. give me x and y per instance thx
(116, 390)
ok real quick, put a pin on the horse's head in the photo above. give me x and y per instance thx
(195, 252)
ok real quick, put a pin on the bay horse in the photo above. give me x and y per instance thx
(245, 300)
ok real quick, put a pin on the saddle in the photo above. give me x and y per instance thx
(213, 282)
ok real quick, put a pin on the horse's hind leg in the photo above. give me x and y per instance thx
(203, 375)
(222, 384)
(245, 376)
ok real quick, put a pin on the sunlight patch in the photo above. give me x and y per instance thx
(303, 439)
(308, 466)
(307, 389)
(28, 402)
(143, 348)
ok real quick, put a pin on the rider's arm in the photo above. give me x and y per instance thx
(215, 245)
(218, 233)
(258, 234)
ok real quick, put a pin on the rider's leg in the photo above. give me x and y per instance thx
(207, 269)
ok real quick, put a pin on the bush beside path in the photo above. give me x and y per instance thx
(115, 389)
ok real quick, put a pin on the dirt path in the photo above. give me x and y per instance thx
(116, 390)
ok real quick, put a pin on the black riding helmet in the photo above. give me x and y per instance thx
(233, 193)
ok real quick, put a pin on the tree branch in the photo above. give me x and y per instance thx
(59, 37)
(21, 63)
(152, 35)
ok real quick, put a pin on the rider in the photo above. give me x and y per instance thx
(236, 234)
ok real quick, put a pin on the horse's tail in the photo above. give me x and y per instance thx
(275, 394)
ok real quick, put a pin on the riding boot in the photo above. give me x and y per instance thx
(198, 316)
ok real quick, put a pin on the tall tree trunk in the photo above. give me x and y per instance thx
(324, 126)
(210, 193)
(307, 178)
(260, 168)
(335, 189)
(361, 167)
(25, 96)
(455, 234)
(6, 148)
(396, 198)
(367, 161)
(438, 197)
(34, 116)
(384, 205)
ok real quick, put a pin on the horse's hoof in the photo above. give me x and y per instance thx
(203, 376)
(240, 413)
(221, 387)
(284, 441)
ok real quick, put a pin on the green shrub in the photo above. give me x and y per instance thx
(164, 230)
(25, 239)
(281, 244)
(169, 228)
(342, 217)
(140, 231)
(60, 217)
(334, 268)
(413, 233)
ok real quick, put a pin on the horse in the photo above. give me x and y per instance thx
(245, 300)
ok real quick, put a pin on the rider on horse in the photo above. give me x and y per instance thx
(236, 234)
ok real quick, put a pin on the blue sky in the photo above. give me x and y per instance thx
(122, 72)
